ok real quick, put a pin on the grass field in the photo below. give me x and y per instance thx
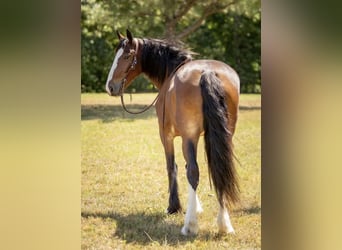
(124, 181)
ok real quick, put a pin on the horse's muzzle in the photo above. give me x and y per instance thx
(114, 89)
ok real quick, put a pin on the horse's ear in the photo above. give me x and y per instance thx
(129, 35)
(120, 36)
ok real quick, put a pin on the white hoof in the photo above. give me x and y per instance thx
(225, 229)
(191, 229)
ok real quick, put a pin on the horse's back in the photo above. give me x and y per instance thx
(191, 72)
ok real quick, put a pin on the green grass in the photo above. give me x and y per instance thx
(124, 181)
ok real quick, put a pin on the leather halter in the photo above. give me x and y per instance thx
(130, 68)
(124, 80)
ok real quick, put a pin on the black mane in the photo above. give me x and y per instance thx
(160, 58)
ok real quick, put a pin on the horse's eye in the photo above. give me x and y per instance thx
(126, 56)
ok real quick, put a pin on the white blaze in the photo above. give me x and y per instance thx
(114, 65)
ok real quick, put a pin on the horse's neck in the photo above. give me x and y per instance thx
(155, 82)
(150, 72)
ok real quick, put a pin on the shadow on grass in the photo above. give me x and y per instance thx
(108, 113)
(248, 210)
(250, 107)
(146, 229)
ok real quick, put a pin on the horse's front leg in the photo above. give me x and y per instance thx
(174, 204)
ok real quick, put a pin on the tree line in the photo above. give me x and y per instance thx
(225, 30)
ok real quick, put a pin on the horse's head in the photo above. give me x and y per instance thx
(123, 70)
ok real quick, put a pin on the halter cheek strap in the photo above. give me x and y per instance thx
(131, 68)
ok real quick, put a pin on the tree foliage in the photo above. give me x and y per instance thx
(227, 30)
(235, 39)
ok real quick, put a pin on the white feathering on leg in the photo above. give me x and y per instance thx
(199, 208)
(190, 223)
(223, 221)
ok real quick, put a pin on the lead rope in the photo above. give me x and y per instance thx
(138, 112)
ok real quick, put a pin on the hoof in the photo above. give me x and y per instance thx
(191, 229)
(171, 210)
(225, 229)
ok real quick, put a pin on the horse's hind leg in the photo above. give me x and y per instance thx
(223, 221)
(174, 204)
(192, 173)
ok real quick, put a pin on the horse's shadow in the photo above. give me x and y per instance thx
(156, 228)
(109, 113)
(144, 228)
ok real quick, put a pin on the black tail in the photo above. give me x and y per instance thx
(218, 140)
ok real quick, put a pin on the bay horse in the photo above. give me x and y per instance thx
(196, 97)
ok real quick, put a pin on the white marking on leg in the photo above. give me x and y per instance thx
(190, 223)
(223, 221)
(199, 208)
(112, 69)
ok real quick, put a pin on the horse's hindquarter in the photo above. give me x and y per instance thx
(183, 100)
